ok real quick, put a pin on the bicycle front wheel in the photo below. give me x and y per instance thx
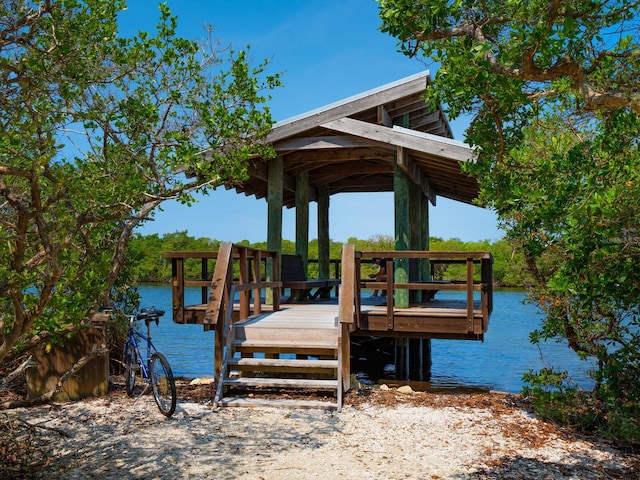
(163, 384)
(131, 367)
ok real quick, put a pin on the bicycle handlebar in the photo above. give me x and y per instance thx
(150, 313)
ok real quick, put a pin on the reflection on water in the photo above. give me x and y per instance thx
(495, 364)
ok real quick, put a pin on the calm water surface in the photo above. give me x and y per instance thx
(497, 363)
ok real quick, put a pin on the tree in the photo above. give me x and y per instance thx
(552, 88)
(97, 131)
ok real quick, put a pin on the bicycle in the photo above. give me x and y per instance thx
(154, 367)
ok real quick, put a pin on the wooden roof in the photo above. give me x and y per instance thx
(352, 146)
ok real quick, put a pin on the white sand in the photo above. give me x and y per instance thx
(116, 438)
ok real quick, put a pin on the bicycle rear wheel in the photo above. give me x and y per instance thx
(131, 367)
(163, 384)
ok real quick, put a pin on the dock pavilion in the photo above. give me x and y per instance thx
(384, 140)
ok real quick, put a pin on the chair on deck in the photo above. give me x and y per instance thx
(295, 279)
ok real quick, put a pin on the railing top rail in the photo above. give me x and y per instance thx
(423, 254)
(214, 253)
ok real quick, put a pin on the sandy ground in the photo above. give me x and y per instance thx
(378, 435)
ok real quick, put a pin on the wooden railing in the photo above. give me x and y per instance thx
(248, 266)
(410, 281)
(253, 268)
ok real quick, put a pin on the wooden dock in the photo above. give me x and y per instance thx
(305, 346)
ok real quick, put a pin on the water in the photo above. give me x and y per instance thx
(506, 353)
(497, 363)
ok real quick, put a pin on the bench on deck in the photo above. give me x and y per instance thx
(295, 279)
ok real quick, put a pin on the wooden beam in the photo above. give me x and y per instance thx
(382, 151)
(383, 117)
(415, 174)
(261, 171)
(404, 137)
(322, 143)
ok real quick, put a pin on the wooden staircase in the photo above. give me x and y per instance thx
(264, 353)
(273, 360)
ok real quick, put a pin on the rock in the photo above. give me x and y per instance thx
(384, 387)
(405, 389)
(202, 381)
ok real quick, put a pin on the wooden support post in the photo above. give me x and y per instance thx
(425, 265)
(302, 219)
(415, 238)
(274, 213)
(323, 231)
(346, 312)
(401, 201)
(177, 272)
(323, 235)
(420, 359)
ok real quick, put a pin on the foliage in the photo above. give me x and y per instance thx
(553, 92)
(97, 131)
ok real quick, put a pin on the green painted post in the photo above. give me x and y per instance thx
(323, 232)
(424, 223)
(401, 201)
(274, 215)
(302, 218)
(415, 238)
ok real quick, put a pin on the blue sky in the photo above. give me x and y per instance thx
(328, 50)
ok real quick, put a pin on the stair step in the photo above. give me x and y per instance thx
(287, 335)
(278, 346)
(277, 403)
(283, 363)
(282, 383)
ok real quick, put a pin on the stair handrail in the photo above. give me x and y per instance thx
(222, 294)
(227, 335)
(346, 308)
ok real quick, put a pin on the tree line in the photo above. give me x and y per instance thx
(146, 261)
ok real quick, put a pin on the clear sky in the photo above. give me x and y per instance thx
(328, 50)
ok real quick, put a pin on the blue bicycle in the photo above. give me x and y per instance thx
(153, 367)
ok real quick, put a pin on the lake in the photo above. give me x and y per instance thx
(496, 364)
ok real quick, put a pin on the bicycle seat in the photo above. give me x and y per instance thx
(150, 313)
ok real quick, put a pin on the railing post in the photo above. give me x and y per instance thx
(204, 274)
(177, 272)
(391, 293)
(257, 278)
(276, 291)
(243, 278)
(470, 294)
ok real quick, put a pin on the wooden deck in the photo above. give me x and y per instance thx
(260, 345)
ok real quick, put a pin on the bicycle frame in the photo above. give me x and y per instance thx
(144, 362)
(155, 370)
